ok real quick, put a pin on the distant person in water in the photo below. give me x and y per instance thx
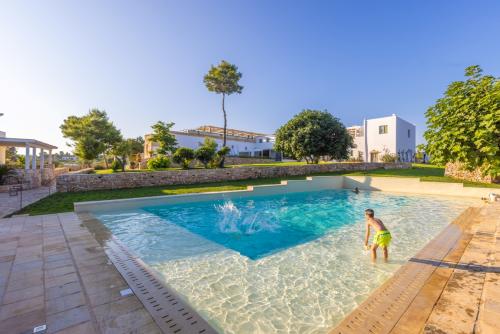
(356, 190)
(382, 236)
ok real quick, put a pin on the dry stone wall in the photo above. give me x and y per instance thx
(457, 171)
(86, 182)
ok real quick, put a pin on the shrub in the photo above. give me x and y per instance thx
(99, 167)
(219, 156)
(5, 171)
(205, 155)
(388, 157)
(355, 159)
(116, 165)
(183, 156)
(158, 162)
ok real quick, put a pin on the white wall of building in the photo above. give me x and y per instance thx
(381, 143)
(405, 139)
(238, 147)
(399, 139)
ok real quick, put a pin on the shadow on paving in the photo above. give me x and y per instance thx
(461, 266)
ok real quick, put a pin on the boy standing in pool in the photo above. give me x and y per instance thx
(382, 236)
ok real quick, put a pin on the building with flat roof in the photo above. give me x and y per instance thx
(241, 143)
(384, 135)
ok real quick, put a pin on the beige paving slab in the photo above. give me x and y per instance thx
(40, 280)
(459, 273)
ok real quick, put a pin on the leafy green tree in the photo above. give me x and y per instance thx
(313, 134)
(121, 151)
(183, 156)
(21, 159)
(116, 165)
(136, 145)
(87, 149)
(165, 139)
(11, 154)
(124, 150)
(464, 125)
(223, 79)
(420, 152)
(92, 134)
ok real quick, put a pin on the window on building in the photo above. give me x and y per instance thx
(267, 140)
(382, 129)
(409, 132)
(260, 140)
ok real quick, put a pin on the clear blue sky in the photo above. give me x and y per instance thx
(144, 61)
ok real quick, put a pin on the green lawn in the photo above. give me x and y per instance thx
(63, 202)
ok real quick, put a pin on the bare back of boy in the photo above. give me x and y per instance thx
(377, 224)
(382, 236)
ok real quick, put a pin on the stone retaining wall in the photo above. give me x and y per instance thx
(61, 170)
(89, 170)
(86, 182)
(456, 170)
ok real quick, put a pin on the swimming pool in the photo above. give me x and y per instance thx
(283, 263)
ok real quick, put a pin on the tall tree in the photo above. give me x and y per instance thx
(313, 134)
(92, 134)
(165, 139)
(223, 79)
(464, 125)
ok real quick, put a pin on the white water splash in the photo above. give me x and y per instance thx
(232, 221)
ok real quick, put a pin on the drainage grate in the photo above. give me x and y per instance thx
(171, 314)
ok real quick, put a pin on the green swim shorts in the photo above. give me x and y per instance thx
(382, 238)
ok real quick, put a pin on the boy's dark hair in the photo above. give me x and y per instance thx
(370, 213)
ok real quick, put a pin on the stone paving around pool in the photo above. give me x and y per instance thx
(54, 273)
(10, 204)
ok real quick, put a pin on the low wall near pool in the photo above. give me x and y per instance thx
(364, 183)
(86, 182)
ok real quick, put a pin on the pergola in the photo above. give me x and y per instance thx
(28, 144)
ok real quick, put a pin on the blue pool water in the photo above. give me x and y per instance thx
(256, 227)
(289, 263)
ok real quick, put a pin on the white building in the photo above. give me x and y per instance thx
(241, 143)
(379, 136)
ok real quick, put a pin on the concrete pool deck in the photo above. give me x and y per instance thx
(54, 272)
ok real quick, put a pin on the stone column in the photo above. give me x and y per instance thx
(33, 160)
(27, 157)
(42, 158)
(50, 158)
